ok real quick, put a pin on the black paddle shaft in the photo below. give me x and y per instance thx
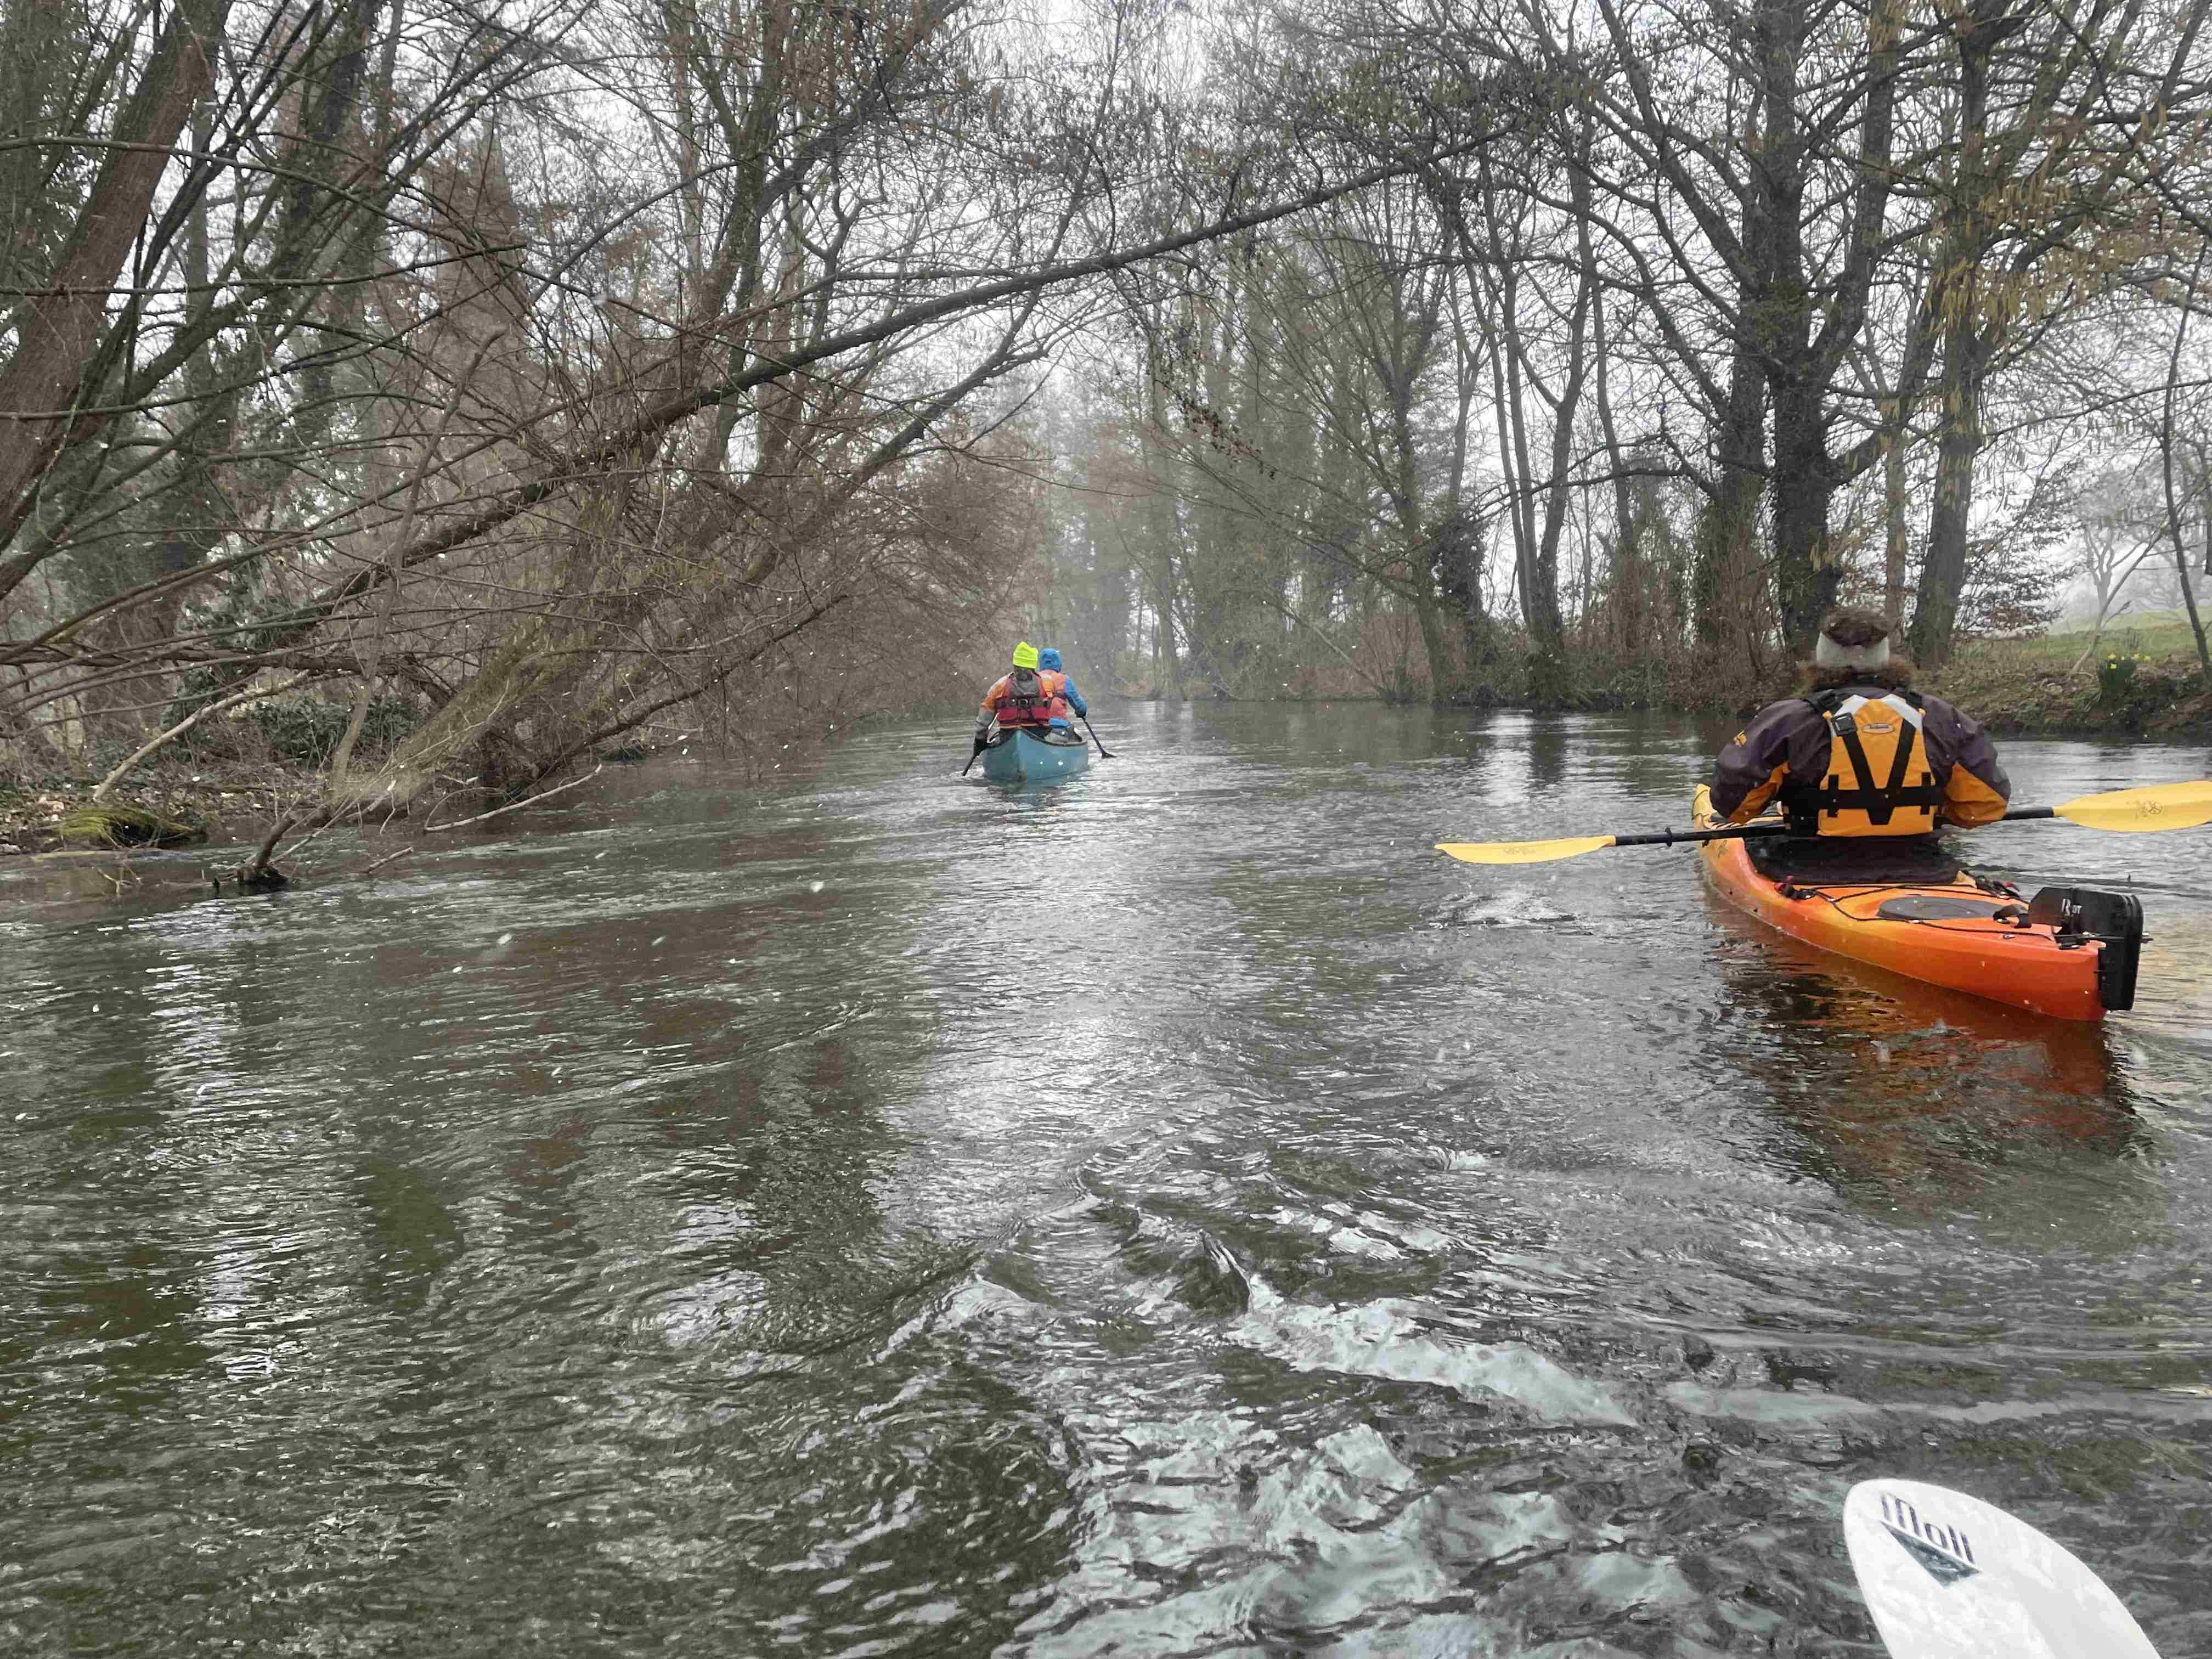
(1757, 831)
(1732, 832)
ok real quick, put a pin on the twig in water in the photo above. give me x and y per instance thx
(497, 812)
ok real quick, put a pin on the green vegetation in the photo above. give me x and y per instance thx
(174, 805)
(2142, 681)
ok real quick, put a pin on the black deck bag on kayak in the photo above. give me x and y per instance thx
(2083, 913)
(1916, 861)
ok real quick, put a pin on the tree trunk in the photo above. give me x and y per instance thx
(1896, 540)
(1628, 584)
(1956, 313)
(1943, 567)
(65, 335)
(1807, 573)
(1727, 591)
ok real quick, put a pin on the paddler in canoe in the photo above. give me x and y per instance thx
(1859, 760)
(1022, 724)
(1049, 662)
(1030, 696)
(1861, 770)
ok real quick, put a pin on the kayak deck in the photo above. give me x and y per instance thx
(1953, 932)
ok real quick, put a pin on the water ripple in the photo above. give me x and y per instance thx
(1173, 1211)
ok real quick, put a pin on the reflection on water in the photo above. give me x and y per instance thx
(1172, 1211)
(1907, 1085)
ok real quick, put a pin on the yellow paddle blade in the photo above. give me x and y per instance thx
(2160, 807)
(1522, 852)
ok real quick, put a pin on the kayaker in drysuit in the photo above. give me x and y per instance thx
(1858, 753)
(1049, 661)
(1028, 696)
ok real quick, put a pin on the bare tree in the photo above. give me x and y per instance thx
(542, 422)
(2032, 211)
(2120, 531)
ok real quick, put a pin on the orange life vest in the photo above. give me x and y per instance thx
(1032, 697)
(1878, 779)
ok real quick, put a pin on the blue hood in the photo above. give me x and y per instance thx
(1048, 657)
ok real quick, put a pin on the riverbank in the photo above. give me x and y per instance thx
(201, 804)
(2139, 683)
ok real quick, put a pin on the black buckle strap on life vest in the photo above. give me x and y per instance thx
(1879, 802)
(1827, 702)
(1032, 707)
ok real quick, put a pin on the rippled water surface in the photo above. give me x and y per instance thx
(1173, 1212)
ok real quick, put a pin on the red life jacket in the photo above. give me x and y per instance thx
(1031, 697)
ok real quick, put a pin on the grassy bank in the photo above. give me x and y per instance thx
(2141, 681)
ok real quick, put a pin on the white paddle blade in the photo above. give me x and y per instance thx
(1523, 852)
(1948, 1577)
(2158, 806)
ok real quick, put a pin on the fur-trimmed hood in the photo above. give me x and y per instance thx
(1895, 675)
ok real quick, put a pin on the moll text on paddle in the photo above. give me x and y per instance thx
(1919, 1534)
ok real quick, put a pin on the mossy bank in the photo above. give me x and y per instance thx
(162, 808)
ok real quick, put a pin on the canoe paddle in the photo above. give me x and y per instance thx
(2160, 806)
(1948, 1577)
(981, 743)
(1104, 753)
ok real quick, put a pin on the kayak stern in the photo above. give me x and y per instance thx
(1954, 934)
(1017, 755)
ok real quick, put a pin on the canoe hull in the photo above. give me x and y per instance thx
(1018, 758)
(2025, 967)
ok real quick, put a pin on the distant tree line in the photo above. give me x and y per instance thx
(1764, 309)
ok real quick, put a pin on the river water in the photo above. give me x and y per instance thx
(1173, 1212)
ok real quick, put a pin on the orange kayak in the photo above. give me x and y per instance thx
(2069, 952)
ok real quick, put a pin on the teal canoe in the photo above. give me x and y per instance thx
(1021, 756)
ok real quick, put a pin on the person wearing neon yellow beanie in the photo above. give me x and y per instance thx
(1029, 697)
